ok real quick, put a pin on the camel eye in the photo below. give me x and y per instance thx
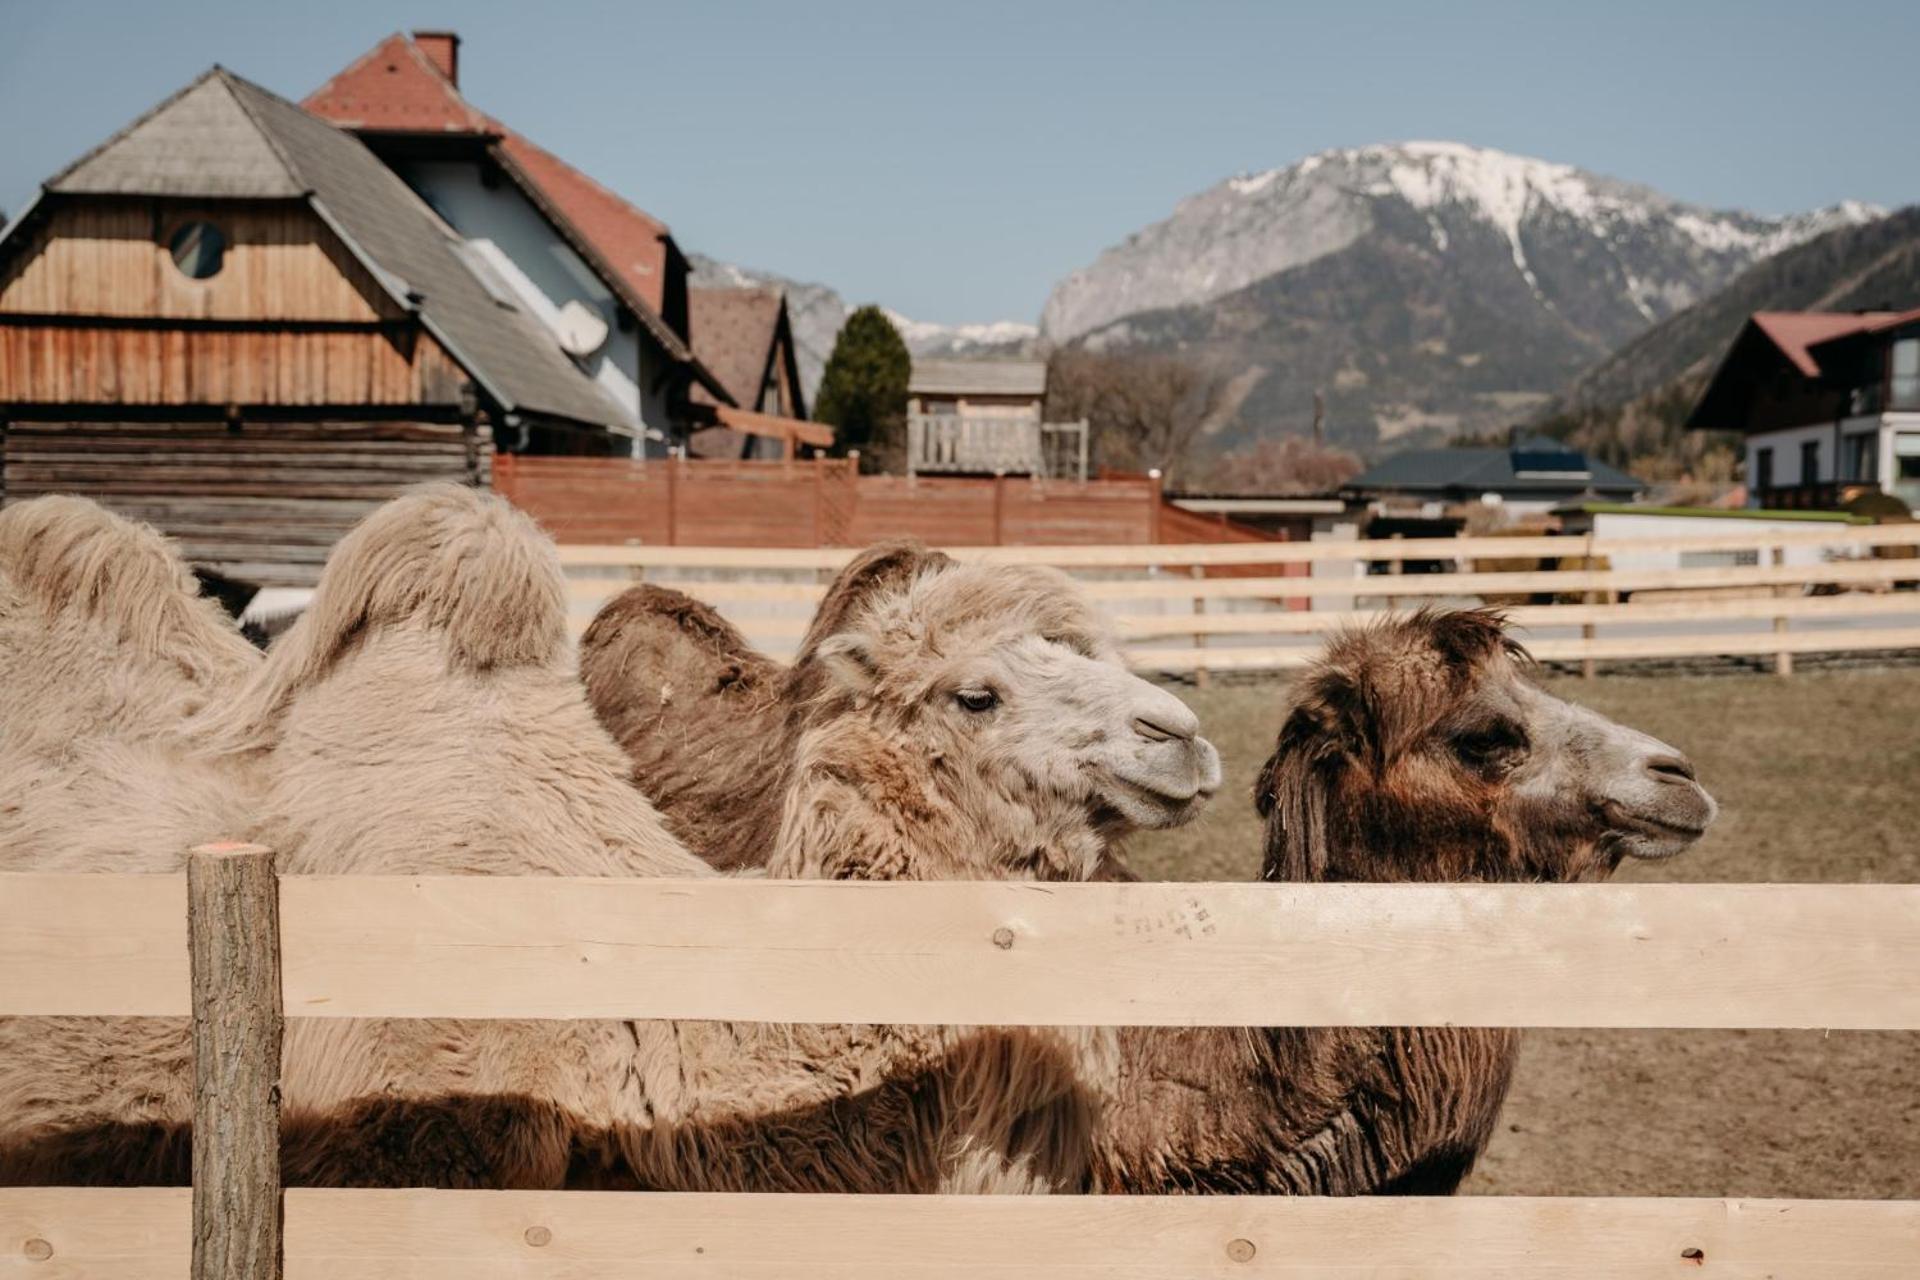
(978, 701)
(1490, 744)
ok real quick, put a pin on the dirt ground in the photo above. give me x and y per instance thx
(1817, 776)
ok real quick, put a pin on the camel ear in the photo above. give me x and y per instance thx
(849, 659)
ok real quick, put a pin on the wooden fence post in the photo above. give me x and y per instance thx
(1782, 661)
(233, 938)
(1199, 637)
(1587, 665)
(672, 468)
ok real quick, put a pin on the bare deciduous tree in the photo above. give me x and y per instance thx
(1286, 465)
(1143, 410)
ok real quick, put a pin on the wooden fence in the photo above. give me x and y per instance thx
(820, 503)
(1247, 605)
(231, 945)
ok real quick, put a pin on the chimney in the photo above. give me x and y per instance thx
(443, 51)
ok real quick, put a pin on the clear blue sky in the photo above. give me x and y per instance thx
(954, 159)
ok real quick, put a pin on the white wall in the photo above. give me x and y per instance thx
(513, 237)
(1786, 456)
(1608, 524)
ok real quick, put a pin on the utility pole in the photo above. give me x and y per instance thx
(1319, 418)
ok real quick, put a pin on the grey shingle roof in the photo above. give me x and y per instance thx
(196, 143)
(978, 377)
(226, 136)
(1536, 466)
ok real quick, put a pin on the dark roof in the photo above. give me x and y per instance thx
(1796, 333)
(735, 334)
(224, 136)
(1537, 465)
(395, 88)
(1773, 346)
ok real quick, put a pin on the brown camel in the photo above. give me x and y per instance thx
(1416, 750)
(424, 717)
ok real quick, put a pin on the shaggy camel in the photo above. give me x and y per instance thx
(977, 718)
(1417, 750)
(106, 647)
(424, 717)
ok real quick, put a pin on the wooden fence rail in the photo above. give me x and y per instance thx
(1156, 594)
(494, 1235)
(1827, 956)
(1853, 538)
(1609, 955)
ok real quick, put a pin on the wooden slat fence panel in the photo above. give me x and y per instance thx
(1839, 956)
(142, 1234)
(1855, 539)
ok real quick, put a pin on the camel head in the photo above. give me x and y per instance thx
(1422, 749)
(999, 688)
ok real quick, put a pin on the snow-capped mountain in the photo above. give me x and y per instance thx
(818, 311)
(1658, 253)
(1425, 289)
(998, 337)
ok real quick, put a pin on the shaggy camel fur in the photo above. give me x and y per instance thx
(1061, 754)
(106, 647)
(1418, 750)
(424, 717)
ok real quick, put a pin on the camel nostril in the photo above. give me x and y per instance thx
(1158, 731)
(1670, 768)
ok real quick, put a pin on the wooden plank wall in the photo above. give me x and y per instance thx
(102, 363)
(111, 258)
(588, 500)
(262, 503)
(94, 311)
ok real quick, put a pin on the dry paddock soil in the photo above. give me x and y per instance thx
(1818, 777)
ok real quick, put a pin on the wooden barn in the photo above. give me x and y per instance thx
(232, 320)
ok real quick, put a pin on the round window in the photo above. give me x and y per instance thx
(198, 249)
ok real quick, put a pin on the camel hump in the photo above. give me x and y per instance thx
(451, 559)
(70, 556)
(643, 617)
(442, 558)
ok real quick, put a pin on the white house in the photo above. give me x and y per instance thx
(1829, 403)
(1626, 521)
(604, 277)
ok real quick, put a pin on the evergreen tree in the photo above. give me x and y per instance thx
(863, 393)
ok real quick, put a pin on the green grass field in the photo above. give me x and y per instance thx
(1817, 777)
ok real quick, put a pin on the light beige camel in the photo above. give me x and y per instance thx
(942, 721)
(106, 648)
(1419, 750)
(424, 717)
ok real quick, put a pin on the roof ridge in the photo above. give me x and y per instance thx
(474, 118)
(447, 86)
(228, 81)
(125, 130)
(351, 67)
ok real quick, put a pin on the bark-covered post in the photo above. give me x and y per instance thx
(233, 935)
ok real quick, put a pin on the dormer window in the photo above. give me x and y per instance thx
(198, 250)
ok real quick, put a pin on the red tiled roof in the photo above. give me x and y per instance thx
(397, 88)
(632, 243)
(1794, 332)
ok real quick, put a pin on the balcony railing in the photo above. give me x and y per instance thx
(976, 443)
(1897, 395)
